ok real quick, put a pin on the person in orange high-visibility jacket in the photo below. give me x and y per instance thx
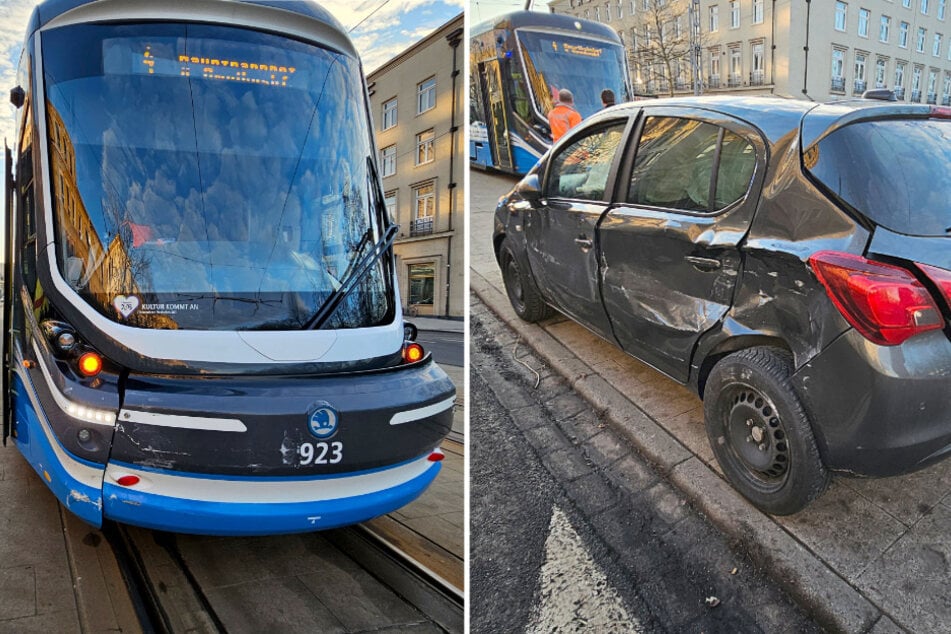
(563, 116)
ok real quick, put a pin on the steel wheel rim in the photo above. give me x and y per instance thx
(513, 283)
(756, 439)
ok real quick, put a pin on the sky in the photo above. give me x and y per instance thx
(393, 26)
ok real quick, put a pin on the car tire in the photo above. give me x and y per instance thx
(523, 293)
(760, 432)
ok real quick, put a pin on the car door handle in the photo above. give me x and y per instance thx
(585, 243)
(704, 264)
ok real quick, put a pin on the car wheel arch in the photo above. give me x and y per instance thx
(728, 346)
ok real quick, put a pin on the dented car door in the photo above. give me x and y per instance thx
(670, 247)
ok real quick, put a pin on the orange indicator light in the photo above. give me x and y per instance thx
(412, 352)
(90, 364)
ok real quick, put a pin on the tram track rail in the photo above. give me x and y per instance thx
(168, 596)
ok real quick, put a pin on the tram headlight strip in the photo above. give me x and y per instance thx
(78, 411)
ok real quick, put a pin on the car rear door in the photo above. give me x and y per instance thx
(560, 231)
(670, 246)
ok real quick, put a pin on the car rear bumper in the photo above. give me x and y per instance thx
(880, 410)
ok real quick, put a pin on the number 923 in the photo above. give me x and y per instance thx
(320, 453)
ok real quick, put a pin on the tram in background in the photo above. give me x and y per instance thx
(202, 317)
(518, 63)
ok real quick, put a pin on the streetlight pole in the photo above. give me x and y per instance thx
(693, 16)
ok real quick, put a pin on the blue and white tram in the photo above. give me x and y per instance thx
(202, 318)
(517, 64)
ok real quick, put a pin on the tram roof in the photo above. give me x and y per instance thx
(521, 19)
(203, 10)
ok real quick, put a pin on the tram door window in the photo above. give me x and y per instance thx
(497, 122)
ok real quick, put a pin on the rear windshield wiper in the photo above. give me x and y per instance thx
(352, 278)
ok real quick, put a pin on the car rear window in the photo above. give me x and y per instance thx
(893, 171)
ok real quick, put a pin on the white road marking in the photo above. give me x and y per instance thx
(575, 595)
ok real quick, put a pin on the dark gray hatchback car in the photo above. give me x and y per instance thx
(791, 262)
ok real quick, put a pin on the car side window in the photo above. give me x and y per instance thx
(581, 170)
(675, 164)
(737, 162)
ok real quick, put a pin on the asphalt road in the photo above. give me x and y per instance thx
(447, 347)
(573, 531)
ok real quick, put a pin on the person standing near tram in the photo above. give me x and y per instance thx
(563, 116)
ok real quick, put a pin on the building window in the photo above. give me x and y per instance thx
(389, 200)
(864, 16)
(620, 9)
(633, 7)
(859, 85)
(900, 80)
(389, 114)
(880, 73)
(759, 58)
(924, 7)
(947, 88)
(838, 70)
(840, 13)
(936, 48)
(597, 13)
(920, 43)
(714, 19)
(734, 14)
(884, 29)
(424, 147)
(424, 209)
(757, 11)
(607, 12)
(426, 95)
(736, 68)
(388, 159)
(916, 84)
(941, 9)
(422, 283)
(906, 3)
(903, 35)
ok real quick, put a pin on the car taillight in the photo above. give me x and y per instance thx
(941, 277)
(883, 302)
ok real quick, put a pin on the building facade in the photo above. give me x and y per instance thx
(821, 50)
(418, 101)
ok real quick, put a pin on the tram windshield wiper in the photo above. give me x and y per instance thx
(349, 281)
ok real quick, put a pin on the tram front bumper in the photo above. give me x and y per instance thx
(207, 505)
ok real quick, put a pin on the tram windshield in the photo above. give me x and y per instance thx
(211, 178)
(582, 65)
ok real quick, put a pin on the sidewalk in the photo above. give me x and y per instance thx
(57, 574)
(438, 324)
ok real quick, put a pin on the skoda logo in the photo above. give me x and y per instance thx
(323, 422)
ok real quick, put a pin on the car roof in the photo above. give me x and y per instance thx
(777, 116)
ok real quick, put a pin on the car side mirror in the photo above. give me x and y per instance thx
(529, 189)
(409, 331)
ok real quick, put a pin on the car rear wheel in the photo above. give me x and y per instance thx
(524, 295)
(760, 432)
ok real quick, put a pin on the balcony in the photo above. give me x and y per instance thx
(858, 86)
(899, 93)
(757, 78)
(421, 227)
(713, 81)
(838, 84)
(734, 81)
(933, 98)
(916, 96)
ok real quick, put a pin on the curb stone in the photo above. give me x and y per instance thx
(834, 603)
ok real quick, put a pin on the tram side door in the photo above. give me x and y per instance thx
(497, 119)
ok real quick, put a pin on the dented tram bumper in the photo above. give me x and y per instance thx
(245, 455)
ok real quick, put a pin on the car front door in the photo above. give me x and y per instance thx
(670, 244)
(560, 231)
